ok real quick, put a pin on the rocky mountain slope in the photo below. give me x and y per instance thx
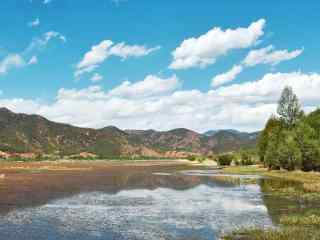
(33, 133)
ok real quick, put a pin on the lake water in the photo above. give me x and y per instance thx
(157, 204)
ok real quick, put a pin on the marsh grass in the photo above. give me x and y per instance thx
(285, 233)
(312, 187)
(244, 170)
(308, 220)
(293, 227)
(303, 187)
(297, 176)
(226, 179)
(236, 180)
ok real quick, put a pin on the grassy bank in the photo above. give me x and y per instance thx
(304, 188)
(254, 169)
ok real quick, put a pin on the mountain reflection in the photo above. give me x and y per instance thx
(22, 190)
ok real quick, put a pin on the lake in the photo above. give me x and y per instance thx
(158, 202)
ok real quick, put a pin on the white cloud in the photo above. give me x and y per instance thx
(269, 55)
(17, 60)
(268, 89)
(42, 42)
(34, 23)
(99, 53)
(157, 103)
(151, 86)
(204, 50)
(33, 60)
(47, 1)
(96, 77)
(94, 57)
(124, 51)
(227, 76)
(11, 61)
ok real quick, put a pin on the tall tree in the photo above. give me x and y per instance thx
(289, 108)
(308, 143)
(271, 131)
(289, 153)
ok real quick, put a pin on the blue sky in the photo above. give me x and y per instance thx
(145, 37)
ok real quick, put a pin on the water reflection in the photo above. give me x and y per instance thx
(145, 204)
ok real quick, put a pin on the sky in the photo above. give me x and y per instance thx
(141, 64)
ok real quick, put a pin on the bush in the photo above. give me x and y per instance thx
(246, 158)
(225, 159)
(191, 158)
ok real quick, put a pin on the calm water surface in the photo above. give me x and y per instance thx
(156, 204)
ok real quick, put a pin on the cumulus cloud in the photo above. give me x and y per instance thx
(269, 55)
(268, 89)
(227, 76)
(159, 103)
(151, 86)
(204, 50)
(99, 53)
(96, 77)
(11, 61)
(34, 23)
(94, 57)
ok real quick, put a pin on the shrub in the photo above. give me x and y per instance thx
(246, 158)
(225, 159)
(192, 158)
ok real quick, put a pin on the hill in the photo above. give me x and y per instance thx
(33, 133)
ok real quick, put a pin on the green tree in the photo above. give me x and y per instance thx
(289, 153)
(309, 145)
(289, 108)
(313, 119)
(270, 133)
(225, 159)
(246, 157)
(271, 157)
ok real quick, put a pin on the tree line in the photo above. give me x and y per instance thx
(291, 139)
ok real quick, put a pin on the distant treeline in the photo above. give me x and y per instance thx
(291, 140)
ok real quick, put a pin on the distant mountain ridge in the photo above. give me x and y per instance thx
(33, 133)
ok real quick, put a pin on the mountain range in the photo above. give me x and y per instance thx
(34, 133)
